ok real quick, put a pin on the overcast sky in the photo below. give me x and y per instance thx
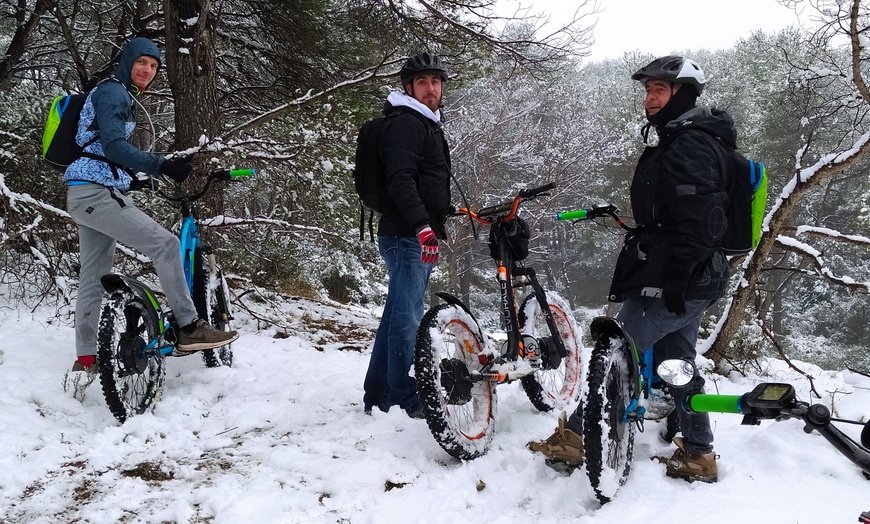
(662, 26)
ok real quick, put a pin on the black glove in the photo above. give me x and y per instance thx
(674, 292)
(177, 170)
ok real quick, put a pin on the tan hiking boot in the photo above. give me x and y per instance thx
(563, 446)
(202, 337)
(692, 466)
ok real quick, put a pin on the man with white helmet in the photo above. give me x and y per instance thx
(672, 268)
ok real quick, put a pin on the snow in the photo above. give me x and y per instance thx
(282, 438)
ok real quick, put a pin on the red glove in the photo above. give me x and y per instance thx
(429, 244)
(87, 361)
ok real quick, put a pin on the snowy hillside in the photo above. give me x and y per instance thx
(282, 438)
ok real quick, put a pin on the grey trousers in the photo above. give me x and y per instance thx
(105, 216)
(671, 336)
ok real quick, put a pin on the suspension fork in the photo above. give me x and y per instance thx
(509, 311)
(634, 411)
(189, 240)
(541, 297)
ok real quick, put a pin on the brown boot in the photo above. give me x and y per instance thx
(563, 446)
(692, 466)
(202, 336)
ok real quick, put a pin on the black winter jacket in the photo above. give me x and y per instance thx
(679, 196)
(417, 165)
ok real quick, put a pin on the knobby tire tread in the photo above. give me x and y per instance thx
(443, 419)
(211, 305)
(608, 371)
(571, 376)
(126, 394)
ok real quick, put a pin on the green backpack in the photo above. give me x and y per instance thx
(59, 146)
(747, 206)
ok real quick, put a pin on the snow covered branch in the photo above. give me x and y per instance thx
(815, 258)
(822, 232)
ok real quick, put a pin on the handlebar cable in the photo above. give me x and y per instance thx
(223, 174)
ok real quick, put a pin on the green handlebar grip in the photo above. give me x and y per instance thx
(580, 214)
(704, 403)
(239, 173)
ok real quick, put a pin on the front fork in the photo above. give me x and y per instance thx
(516, 345)
(552, 347)
(163, 321)
(610, 327)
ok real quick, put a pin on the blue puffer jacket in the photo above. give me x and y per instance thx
(108, 113)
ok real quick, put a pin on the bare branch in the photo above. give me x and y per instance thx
(283, 109)
(855, 43)
(815, 258)
(821, 232)
(772, 338)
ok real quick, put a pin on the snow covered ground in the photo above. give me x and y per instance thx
(281, 438)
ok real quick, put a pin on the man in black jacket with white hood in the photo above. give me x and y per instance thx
(672, 268)
(416, 162)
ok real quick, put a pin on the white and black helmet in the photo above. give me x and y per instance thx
(674, 69)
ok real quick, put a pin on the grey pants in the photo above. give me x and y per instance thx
(674, 336)
(105, 216)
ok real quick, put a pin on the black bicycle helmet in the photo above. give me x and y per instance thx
(675, 69)
(422, 63)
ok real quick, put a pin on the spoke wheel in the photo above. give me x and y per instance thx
(131, 380)
(211, 298)
(559, 380)
(608, 439)
(460, 412)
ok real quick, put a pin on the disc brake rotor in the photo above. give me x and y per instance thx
(456, 381)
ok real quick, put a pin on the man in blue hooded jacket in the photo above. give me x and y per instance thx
(97, 202)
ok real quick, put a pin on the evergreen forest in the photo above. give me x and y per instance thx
(283, 87)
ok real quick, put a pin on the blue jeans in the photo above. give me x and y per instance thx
(650, 324)
(388, 382)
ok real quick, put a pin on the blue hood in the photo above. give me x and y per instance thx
(132, 51)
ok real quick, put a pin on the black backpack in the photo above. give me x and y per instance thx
(368, 174)
(59, 147)
(747, 199)
(747, 205)
(369, 177)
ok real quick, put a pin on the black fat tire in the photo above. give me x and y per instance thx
(553, 388)
(463, 428)
(131, 383)
(210, 296)
(607, 439)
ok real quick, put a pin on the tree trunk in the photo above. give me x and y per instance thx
(190, 65)
(24, 28)
(752, 268)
